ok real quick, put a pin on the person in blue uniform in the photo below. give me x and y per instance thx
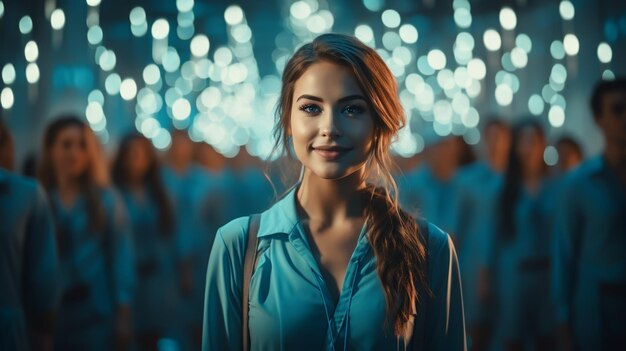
(520, 256)
(570, 154)
(136, 173)
(28, 259)
(478, 187)
(590, 232)
(94, 240)
(223, 186)
(193, 192)
(253, 186)
(431, 189)
(340, 265)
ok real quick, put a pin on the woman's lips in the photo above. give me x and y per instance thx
(330, 153)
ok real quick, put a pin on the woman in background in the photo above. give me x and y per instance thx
(522, 245)
(94, 241)
(136, 173)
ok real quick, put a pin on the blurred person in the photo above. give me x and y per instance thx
(431, 189)
(94, 240)
(590, 251)
(196, 209)
(136, 173)
(479, 185)
(28, 259)
(254, 188)
(224, 179)
(570, 154)
(340, 264)
(520, 260)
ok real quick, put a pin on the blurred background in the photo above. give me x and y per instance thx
(181, 97)
(213, 67)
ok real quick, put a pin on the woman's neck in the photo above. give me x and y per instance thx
(327, 200)
(68, 189)
(179, 166)
(532, 179)
(135, 183)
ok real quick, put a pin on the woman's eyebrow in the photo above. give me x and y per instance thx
(343, 99)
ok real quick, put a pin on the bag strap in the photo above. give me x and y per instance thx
(249, 261)
(416, 341)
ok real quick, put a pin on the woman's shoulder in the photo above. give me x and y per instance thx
(435, 237)
(21, 189)
(234, 234)
(440, 250)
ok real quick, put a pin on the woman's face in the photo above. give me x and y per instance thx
(137, 160)
(69, 152)
(530, 147)
(332, 125)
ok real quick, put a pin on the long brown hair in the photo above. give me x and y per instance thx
(513, 179)
(393, 233)
(152, 178)
(95, 177)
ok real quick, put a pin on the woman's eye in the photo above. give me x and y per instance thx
(352, 109)
(310, 109)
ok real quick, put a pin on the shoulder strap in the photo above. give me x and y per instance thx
(416, 341)
(249, 261)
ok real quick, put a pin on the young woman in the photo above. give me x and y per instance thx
(523, 244)
(136, 173)
(94, 241)
(340, 265)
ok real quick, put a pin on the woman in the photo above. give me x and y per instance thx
(94, 241)
(522, 244)
(340, 265)
(136, 173)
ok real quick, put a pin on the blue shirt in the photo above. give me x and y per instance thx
(28, 257)
(291, 307)
(521, 266)
(101, 261)
(198, 207)
(434, 199)
(478, 190)
(190, 193)
(155, 261)
(590, 251)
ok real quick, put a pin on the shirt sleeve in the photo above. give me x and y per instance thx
(566, 235)
(123, 253)
(41, 259)
(222, 327)
(445, 321)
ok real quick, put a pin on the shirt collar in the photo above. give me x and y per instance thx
(282, 217)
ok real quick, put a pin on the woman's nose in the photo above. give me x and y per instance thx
(329, 126)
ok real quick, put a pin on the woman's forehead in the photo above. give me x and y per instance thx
(328, 81)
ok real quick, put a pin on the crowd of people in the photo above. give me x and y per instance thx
(542, 250)
(102, 253)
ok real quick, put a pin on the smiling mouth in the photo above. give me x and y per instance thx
(331, 152)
